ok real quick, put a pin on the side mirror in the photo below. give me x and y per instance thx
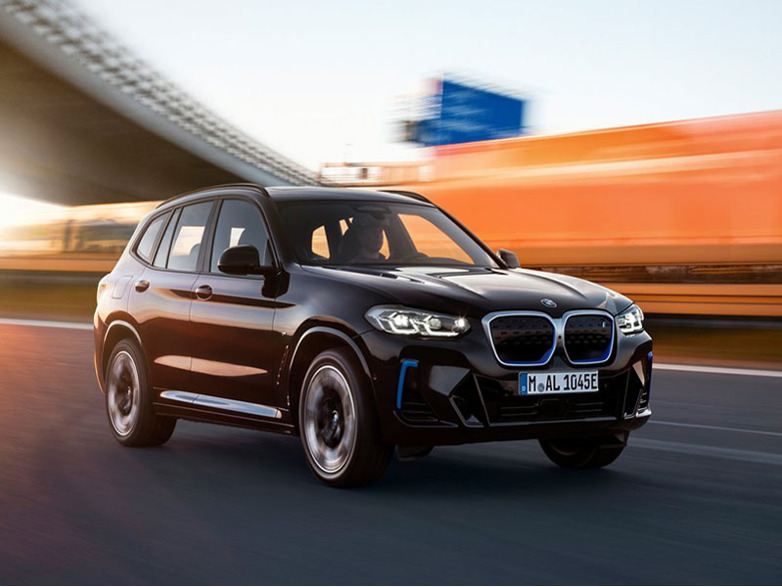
(509, 258)
(242, 260)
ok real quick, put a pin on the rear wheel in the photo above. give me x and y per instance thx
(583, 453)
(129, 399)
(338, 425)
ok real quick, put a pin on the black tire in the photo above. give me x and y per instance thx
(582, 453)
(129, 397)
(337, 423)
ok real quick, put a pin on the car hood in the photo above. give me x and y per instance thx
(478, 290)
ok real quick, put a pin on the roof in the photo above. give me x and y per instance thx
(284, 194)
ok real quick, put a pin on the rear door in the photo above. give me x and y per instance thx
(161, 298)
(235, 351)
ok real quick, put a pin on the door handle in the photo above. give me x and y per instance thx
(203, 292)
(142, 285)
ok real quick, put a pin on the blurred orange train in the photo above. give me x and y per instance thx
(685, 217)
(694, 207)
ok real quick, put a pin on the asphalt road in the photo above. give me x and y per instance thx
(696, 498)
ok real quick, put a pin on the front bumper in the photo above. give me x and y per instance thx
(454, 392)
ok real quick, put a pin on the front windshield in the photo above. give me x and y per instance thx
(377, 233)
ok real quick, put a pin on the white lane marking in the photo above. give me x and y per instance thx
(717, 370)
(708, 427)
(46, 324)
(750, 456)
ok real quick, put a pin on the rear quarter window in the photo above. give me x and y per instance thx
(146, 245)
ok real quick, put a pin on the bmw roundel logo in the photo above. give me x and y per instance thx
(548, 303)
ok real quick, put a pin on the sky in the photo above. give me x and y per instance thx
(18, 210)
(326, 80)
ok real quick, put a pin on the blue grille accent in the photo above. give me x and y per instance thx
(589, 338)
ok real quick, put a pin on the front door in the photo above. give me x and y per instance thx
(235, 351)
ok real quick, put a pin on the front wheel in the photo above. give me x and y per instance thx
(583, 453)
(338, 425)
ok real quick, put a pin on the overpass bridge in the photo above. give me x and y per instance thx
(83, 121)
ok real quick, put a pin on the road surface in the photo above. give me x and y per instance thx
(695, 498)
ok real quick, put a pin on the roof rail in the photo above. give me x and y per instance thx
(254, 186)
(409, 194)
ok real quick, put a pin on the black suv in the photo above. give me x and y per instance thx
(361, 321)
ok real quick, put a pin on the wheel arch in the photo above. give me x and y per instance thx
(116, 331)
(310, 344)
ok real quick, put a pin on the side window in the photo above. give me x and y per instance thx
(188, 235)
(146, 245)
(240, 223)
(161, 257)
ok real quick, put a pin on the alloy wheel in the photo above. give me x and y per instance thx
(123, 393)
(329, 420)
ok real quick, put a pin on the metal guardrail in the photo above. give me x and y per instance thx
(80, 38)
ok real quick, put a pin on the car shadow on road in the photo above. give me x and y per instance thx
(450, 472)
(495, 469)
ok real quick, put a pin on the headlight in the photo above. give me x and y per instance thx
(397, 320)
(631, 320)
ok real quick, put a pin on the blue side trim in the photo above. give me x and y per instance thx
(401, 385)
(650, 356)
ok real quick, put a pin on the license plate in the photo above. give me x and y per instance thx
(563, 382)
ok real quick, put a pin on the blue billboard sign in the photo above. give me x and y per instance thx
(464, 114)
